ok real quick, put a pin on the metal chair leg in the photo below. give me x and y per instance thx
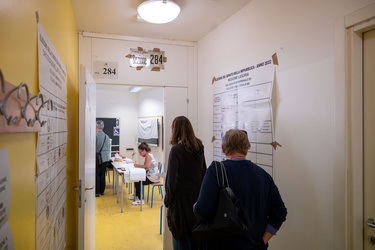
(148, 192)
(161, 218)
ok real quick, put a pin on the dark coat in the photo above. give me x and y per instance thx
(183, 181)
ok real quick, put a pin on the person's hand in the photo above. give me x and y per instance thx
(266, 237)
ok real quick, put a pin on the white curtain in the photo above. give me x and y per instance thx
(148, 128)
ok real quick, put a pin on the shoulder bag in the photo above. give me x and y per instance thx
(230, 217)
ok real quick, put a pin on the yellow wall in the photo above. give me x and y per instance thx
(19, 62)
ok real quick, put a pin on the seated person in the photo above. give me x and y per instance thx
(152, 172)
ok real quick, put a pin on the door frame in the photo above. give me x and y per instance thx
(348, 152)
(170, 113)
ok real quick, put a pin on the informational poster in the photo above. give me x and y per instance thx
(242, 100)
(6, 236)
(51, 148)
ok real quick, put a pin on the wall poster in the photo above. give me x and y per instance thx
(6, 236)
(51, 148)
(242, 100)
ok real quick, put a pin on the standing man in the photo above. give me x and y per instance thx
(103, 148)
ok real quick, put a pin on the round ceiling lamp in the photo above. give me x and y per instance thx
(158, 11)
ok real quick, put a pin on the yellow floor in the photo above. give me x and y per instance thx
(132, 229)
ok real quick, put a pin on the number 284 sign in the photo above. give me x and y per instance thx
(147, 59)
(139, 59)
(105, 70)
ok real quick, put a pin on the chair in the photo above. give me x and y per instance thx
(161, 219)
(159, 184)
(148, 185)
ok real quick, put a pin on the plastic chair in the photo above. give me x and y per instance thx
(159, 184)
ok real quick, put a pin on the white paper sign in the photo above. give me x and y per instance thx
(105, 70)
(242, 100)
(6, 238)
(4, 187)
(147, 59)
(51, 149)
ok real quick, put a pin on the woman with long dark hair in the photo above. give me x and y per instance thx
(186, 169)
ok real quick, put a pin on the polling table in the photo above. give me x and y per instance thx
(129, 174)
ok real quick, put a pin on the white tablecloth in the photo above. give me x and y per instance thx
(131, 174)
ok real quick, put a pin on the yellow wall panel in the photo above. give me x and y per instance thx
(19, 62)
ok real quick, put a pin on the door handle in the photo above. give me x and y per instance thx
(89, 188)
(370, 222)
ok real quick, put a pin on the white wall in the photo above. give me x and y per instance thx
(116, 101)
(301, 33)
(180, 69)
(150, 104)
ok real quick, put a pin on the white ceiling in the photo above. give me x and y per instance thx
(197, 18)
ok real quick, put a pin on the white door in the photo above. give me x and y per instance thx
(175, 104)
(369, 137)
(86, 182)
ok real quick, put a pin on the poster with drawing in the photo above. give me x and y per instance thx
(51, 148)
(242, 100)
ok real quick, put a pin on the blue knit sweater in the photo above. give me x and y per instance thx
(255, 188)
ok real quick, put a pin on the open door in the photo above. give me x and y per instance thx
(86, 181)
(175, 104)
(369, 139)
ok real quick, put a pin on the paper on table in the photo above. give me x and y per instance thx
(128, 160)
(137, 174)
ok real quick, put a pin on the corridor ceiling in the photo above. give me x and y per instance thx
(119, 17)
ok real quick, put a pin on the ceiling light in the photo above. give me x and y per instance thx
(158, 11)
(135, 89)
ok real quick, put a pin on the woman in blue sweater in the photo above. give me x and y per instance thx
(253, 186)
